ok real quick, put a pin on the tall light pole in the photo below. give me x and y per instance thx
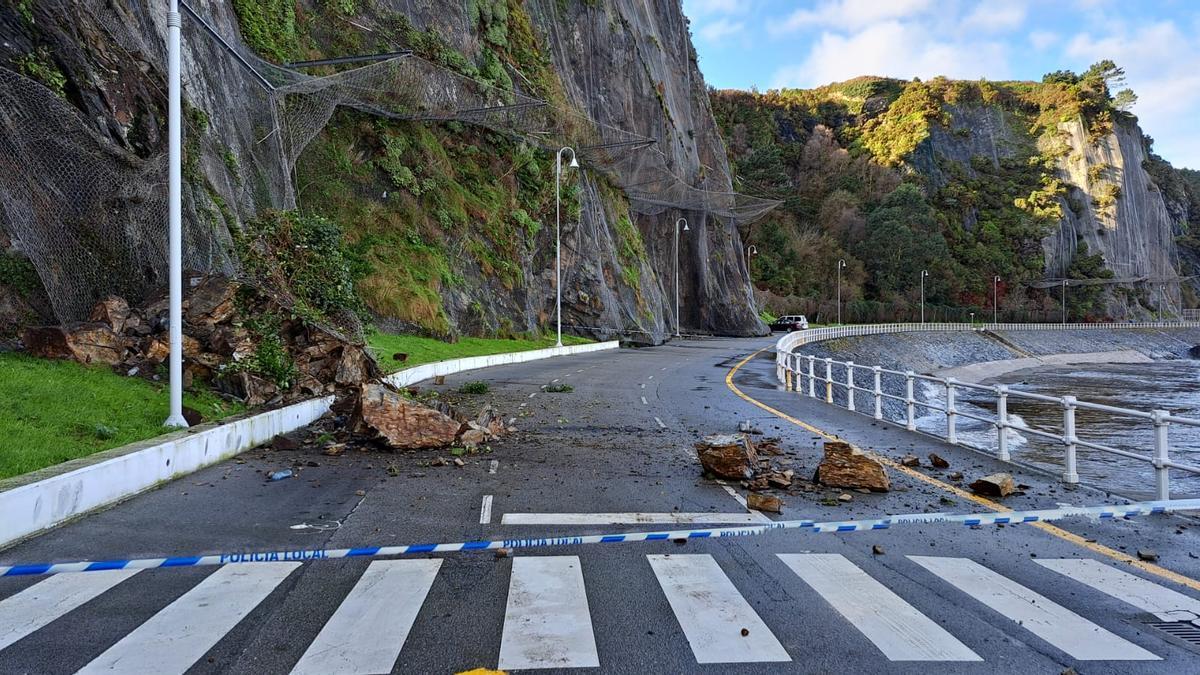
(996, 299)
(924, 273)
(678, 223)
(175, 218)
(558, 235)
(841, 264)
(751, 249)
(1064, 301)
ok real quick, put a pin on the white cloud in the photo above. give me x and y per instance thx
(893, 49)
(995, 16)
(1042, 39)
(719, 29)
(850, 14)
(1162, 65)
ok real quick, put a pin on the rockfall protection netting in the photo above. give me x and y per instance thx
(92, 215)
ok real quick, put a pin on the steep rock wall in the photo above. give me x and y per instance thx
(625, 63)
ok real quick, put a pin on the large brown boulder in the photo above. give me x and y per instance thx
(994, 485)
(113, 312)
(847, 467)
(86, 343)
(729, 456)
(382, 413)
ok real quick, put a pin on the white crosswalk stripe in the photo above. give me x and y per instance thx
(899, 631)
(548, 620)
(547, 623)
(712, 613)
(175, 638)
(368, 630)
(1055, 624)
(1147, 596)
(47, 600)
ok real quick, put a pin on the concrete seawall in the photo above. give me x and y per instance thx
(980, 355)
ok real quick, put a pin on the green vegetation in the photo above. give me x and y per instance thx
(269, 27)
(476, 387)
(18, 273)
(427, 350)
(42, 427)
(871, 172)
(560, 388)
(39, 64)
(302, 259)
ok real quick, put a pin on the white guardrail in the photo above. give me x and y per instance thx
(801, 373)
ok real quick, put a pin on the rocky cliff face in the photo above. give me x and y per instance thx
(1030, 182)
(450, 254)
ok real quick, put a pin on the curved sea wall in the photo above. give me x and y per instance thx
(937, 351)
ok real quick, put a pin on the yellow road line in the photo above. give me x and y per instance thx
(1052, 530)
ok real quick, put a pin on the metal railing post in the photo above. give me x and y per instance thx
(828, 380)
(1002, 422)
(1071, 473)
(878, 393)
(812, 377)
(910, 403)
(1162, 476)
(951, 413)
(850, 386)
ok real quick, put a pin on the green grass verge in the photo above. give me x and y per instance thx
(54, 411)
(427, 350)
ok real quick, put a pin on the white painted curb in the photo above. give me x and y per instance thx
(420, 373)
(33, 507)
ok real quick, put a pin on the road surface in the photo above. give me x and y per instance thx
(612, 455)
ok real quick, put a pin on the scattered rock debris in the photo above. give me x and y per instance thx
(1147, 555)
(847, 467)
(763, 502)
(994, 485)
(910, 460)
(729, 456)
(938, 461)
(876, 550)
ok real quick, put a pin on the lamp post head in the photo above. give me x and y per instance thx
(841, 263)
(574, 163)
(682, 221)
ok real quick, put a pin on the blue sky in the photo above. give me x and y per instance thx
(806, 43)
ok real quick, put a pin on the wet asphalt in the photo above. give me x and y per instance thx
(599, 448)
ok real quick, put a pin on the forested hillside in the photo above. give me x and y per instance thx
(1027, 181)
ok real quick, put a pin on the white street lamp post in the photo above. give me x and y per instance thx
(683, 222)
(1064, 301)
(558, 236)
(995, 299)
(175, 218)
(840, 265)
(751, 249)
(924, 273)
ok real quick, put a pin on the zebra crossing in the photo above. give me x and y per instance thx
(548, 621)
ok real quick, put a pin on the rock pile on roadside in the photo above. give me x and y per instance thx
(217, 346)
(388, 417)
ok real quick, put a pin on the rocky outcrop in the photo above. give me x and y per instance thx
(639, 74)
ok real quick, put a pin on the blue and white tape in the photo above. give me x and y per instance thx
(970, 519)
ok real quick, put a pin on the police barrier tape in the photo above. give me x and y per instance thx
(971, 519)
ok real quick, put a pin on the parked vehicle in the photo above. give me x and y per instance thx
(790, 323)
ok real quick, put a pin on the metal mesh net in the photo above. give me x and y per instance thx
(92, 215)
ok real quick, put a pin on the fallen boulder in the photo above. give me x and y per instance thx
(761, 502)
(847, 467)
(728, 456)
(994, 485)
(938, 461)
(383, 414)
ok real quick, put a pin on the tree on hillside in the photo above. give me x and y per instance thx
(903, 239)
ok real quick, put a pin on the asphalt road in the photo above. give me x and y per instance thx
(937, 599)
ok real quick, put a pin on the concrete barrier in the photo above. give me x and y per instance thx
(43, 499)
